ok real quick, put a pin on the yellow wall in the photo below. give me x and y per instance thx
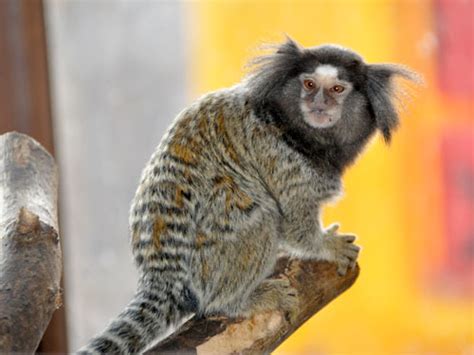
(391, 202)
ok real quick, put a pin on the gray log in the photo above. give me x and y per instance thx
(30, 252)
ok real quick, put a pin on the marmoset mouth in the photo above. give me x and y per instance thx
(320, 120)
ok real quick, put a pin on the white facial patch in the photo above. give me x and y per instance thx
(326, 75)
(326, 70)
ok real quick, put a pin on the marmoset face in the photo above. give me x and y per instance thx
(322, 96)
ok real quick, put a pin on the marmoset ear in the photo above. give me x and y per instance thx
(382, 93)
(270, 72)
(290, 46)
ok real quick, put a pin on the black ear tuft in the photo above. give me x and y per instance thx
(382, 94)
(289, 47)
(270, 72)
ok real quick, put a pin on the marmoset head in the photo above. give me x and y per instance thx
(326, 94)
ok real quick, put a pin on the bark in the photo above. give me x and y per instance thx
(30, 253)
(317, 283)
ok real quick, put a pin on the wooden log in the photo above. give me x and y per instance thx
(317, 283)
(30, 253)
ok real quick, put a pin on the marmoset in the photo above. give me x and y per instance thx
(240, 176)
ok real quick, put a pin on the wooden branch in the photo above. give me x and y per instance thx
(317, 284)
(30, 254)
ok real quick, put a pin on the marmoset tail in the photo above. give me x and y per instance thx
(240, 176)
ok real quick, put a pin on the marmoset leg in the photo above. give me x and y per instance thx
(273, 294)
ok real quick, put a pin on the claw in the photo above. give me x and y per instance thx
(351, 254)
(354, 247)
(349, 238)
(332, 229)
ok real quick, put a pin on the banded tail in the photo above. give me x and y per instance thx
(150, 315)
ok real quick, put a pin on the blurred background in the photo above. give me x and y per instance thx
(97, 82)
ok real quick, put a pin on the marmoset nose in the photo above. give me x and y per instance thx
(320, 102)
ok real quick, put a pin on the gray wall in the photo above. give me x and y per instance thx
(118, 79)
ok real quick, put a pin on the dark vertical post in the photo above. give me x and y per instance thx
(25, 100)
